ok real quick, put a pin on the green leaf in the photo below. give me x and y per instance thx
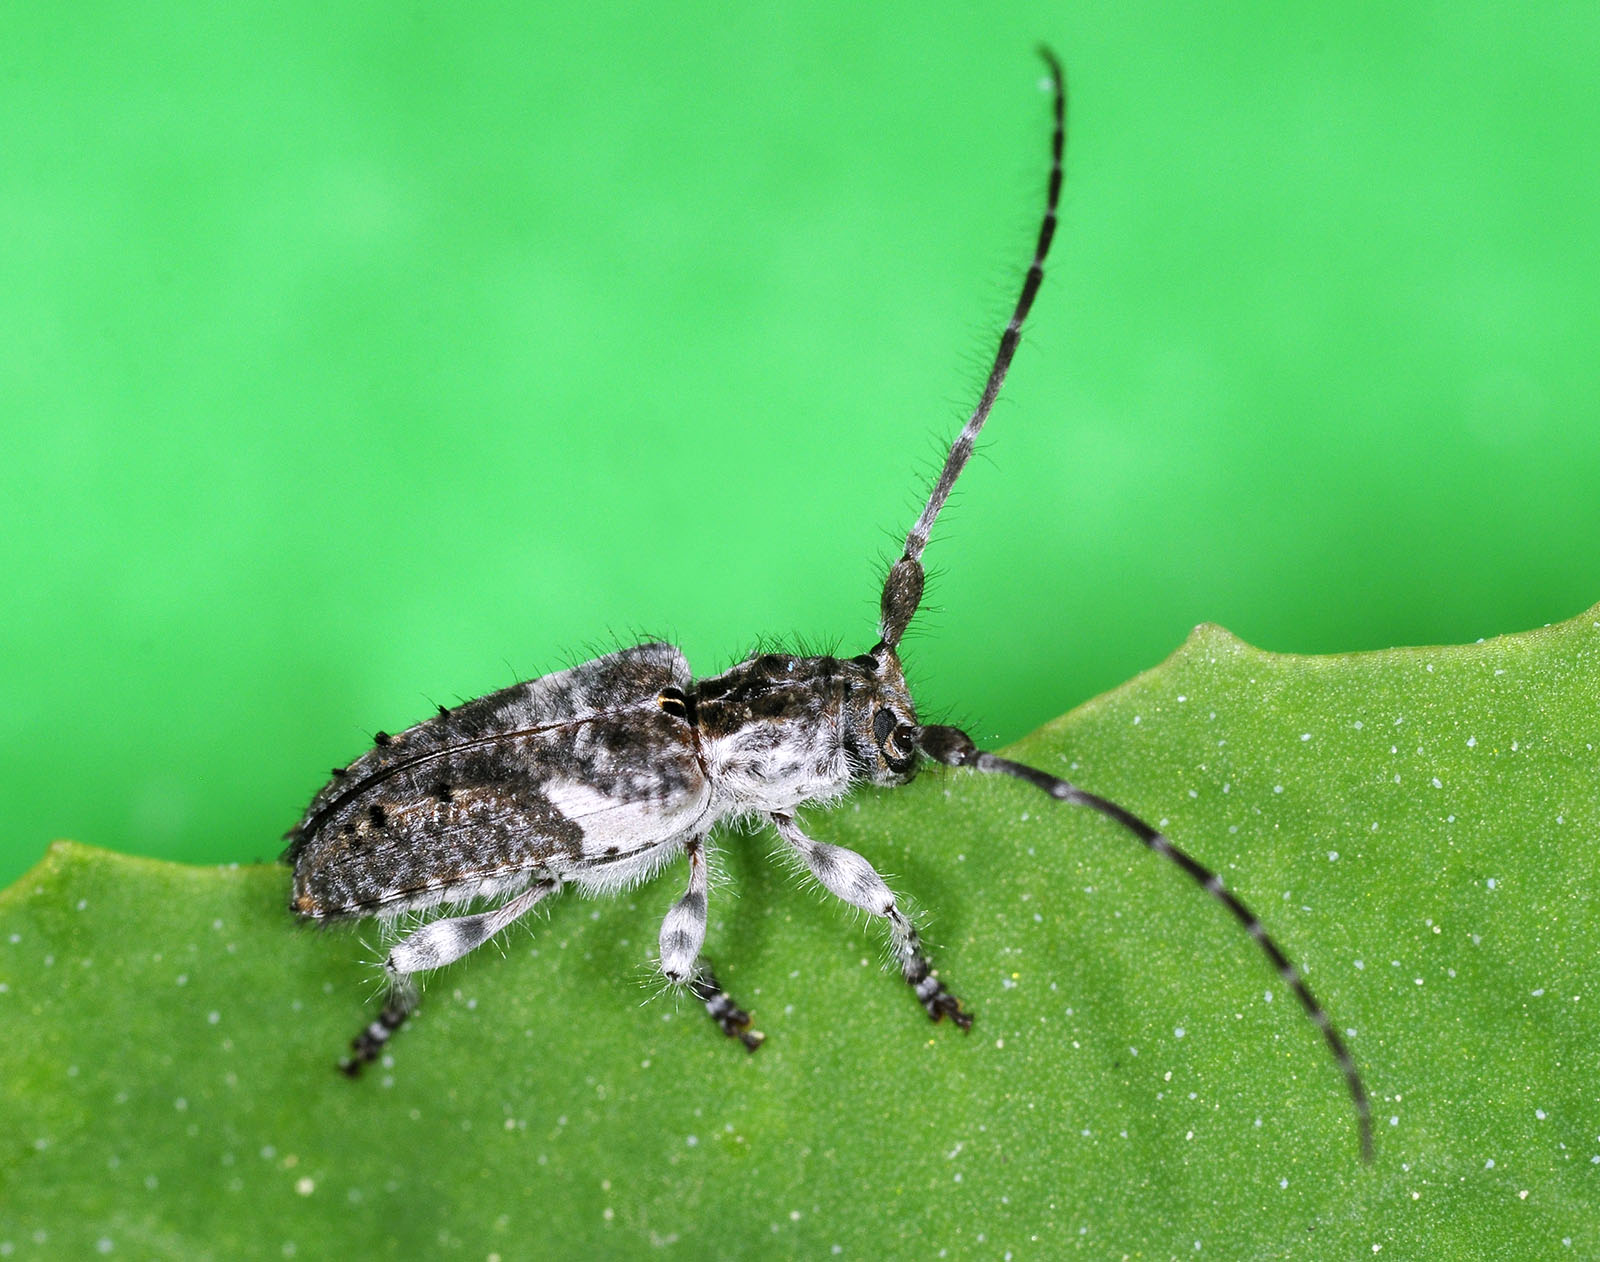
(1417, 827)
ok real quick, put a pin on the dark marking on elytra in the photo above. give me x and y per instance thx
(680, 704)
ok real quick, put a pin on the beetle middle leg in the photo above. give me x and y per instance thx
(847, 875)
(683, 933)
(436, 944)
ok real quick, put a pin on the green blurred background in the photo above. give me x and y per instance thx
(355, 358)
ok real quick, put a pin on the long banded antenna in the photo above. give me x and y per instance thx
(902, 589)
(954, 748)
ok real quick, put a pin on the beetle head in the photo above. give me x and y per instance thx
(880, 719)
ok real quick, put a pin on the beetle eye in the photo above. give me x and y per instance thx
(882, 724)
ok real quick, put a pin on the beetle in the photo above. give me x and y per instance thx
(601, 775)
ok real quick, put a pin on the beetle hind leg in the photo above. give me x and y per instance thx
(436, 944)
(368, 1045)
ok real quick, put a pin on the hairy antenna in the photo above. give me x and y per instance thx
(902, 589)
(954, 748)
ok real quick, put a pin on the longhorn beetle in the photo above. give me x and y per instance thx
(602, 774)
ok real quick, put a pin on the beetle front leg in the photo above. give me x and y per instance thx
(683, 933)
(847, 875)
